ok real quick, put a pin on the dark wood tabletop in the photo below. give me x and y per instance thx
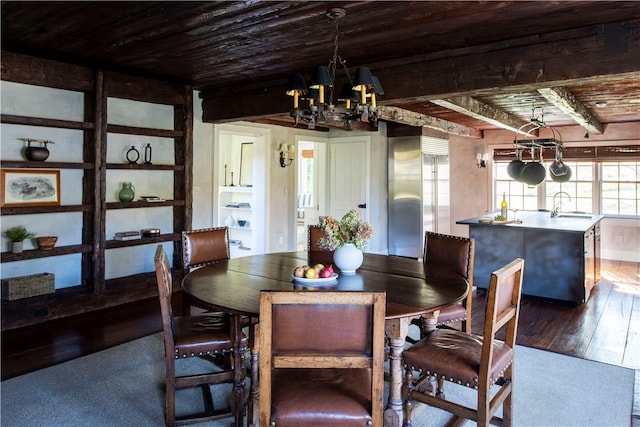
(234, 285)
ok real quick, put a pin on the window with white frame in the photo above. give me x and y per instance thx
(603, 184)
(620, 193)
(579, 188)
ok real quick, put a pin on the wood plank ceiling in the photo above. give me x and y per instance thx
(455, 66)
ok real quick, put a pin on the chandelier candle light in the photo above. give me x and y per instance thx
(355, 92)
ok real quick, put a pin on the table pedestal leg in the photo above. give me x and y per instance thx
(396, 330)
(429, 322)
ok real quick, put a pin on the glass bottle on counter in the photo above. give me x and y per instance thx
(503, 206)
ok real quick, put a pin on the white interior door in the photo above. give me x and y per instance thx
(348, 171)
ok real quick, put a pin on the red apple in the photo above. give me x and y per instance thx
(326, 272)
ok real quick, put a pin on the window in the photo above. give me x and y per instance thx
(620, 194)
(519, 196)
(579, 190)
(606, 187)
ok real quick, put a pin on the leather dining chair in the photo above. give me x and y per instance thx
(190, 336)
(204, 246)
(315, 252)
(478, 362)
(454, 254)
(327, 370)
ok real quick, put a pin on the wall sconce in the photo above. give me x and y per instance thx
(482, 160)
(287, 154)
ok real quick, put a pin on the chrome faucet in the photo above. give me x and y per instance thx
(554, 211)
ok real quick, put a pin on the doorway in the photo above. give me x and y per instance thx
(311, 191)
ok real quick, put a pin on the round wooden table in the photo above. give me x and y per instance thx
(234, 286)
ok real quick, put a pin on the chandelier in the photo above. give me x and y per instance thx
(358, 94)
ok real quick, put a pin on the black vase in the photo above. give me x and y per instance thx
(36, 154)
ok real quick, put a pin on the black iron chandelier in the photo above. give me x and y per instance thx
(358, 94)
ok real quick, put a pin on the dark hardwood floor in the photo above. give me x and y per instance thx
(605, 329)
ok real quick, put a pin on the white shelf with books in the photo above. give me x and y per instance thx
(236, 211)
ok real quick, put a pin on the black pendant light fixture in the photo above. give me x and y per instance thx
(358, 94)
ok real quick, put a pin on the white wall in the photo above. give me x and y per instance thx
(280, 200)
(203, 161)
(470, 186)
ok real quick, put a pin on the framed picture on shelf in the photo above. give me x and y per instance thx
(246, 164)
(21, 187)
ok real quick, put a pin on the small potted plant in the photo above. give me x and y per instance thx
(17, 235)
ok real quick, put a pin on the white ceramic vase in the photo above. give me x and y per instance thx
(347, 258)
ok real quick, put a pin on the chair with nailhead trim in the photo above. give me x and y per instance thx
(478, 362)
(202, 247)
(191, 336)
(205, 246)
(455, 254)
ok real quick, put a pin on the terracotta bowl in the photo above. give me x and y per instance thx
(46, 243)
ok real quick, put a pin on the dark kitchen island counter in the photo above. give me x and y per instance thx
(562, 254)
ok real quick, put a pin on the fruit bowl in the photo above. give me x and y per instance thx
(318, 280)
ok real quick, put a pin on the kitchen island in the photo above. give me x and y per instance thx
(562, 253)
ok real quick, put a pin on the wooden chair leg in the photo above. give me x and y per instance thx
(207, 398)
(170, 392)
(440, 389)
(408, 397)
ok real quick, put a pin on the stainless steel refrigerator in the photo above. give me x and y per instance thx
(418, 192)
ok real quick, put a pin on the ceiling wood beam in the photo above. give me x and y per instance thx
(562, 98)
(472, 107)
(575, 56)
(411, 118)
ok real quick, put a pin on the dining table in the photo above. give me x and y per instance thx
(234, 286)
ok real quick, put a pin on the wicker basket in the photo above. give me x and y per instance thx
(28, 286)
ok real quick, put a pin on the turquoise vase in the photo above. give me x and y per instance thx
(348, 258)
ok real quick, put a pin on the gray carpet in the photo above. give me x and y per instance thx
(122, 386)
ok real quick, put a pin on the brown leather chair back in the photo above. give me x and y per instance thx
(503, 304)
(315, 233)
(451, 253)
(315, 253)
(321, 358)
(205, 246)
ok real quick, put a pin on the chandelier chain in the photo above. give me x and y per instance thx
(336, 59)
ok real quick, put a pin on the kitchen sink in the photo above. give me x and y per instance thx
(572, 215)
